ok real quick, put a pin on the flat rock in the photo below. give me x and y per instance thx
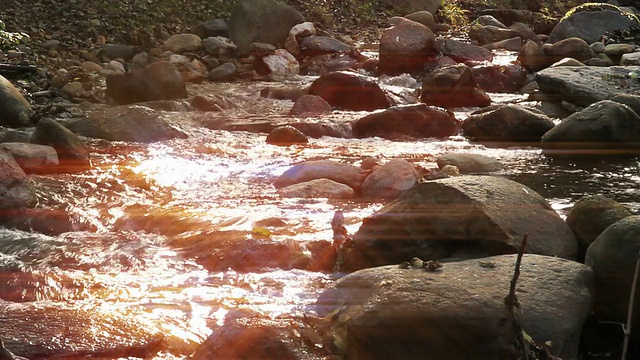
(318, 169)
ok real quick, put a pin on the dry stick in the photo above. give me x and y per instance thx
(627, 328)
(511, 302)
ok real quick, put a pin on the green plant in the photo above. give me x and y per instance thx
(9, 40)
(451, 12)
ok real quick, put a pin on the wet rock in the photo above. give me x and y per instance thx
(567, 62)
(414, 121)
(507, 17)
(318, 188)
(33, 158)
(286, 135)
(212, 27)
(126, 123)
(309, 105)
(158, 81)
(281, 65)
(350, 91)
(92, 67)
(181, 43)
(463, 52)
(219, 46)
(390, 180)
(617, 50)
(15, 193)
(572, 47)
(533, 57)
(405, 47)
(328, 63)
(116, 51)
(13, 135)
(411, 312)
(500, 78)
(319, 169)
(524, 31)
(223, 72)
(513, 44)
(212, 103)
(606, 126)
(482, 215)
(490, 34)
(452, 86)
(507, 123)
(613, 256)
(592, 23)
(15, 110)
(630, 59)
(423, 17)
(193, 71)
(292, 93)
(489, 20)
(600, 60)
(72, 153)
(292, 44)
(470, 163)
(266, 21)
(314, 45)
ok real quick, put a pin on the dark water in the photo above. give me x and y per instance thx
(114, 277)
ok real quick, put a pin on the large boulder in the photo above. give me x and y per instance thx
(319, 169)
(414, 121)
(15, 193)
(126, 123)
(463, 52)
(589, 22)
(613, 256)
(573, 47)
(263, 21)
(158, 81)
(506, 123)
(73, 155)
(33, 158)
(314, 45)
(350, 91)
(439, 219)
(458, 311)
(15, 110)
(390, 180)
(405, 46)
(606, 126)
(453, 86)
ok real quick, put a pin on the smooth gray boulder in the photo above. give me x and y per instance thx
(15, 110)
(591, 23)
(470, 163)
(591, 215)
(457, 311)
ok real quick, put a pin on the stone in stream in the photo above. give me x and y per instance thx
(423, 17)
(500, 78)
(73, 155)
(491, 34)
(453, 86)
(180, 43)
(317, 188)
(507, 124)
(591, 21)
(158, 81)
(318, 169)
(406, 46)
(390, 180)
(310, 105)
(463, 52)
(16, 194)
(469, 163)
(350, 91)
(33, 158)
(285, 136)
(15, 110)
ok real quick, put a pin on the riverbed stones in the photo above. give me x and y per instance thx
(286, 135)
(469, 163)
(509, 78)
(15, 193)
(317, 188)
(219, 46)
(405, 46)
(310, 105)
(463, 52)
(613, 256)
(436, 219)
(33, 158)
(412, 121)
(390, 180)
(158, 81)
(408, 6)
(116, 51)
(212, 27)
(572, 47)
(319, 169)
(453, 86)
(126, 123)
(490, 34)
(506, 124)
(265, 21)
(314, 45)
(350, 91)
(180, 43)
(73, 155)
(604, 127)
(591, 23)
(591, 215)
(423, 17)
(281, 65)
(15, 110)
(458, 310)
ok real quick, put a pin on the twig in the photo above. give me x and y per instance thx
(627, 328)
(511, 302)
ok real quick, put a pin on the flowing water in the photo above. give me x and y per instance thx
(114, 277)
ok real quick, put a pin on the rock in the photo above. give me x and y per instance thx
(390, 180)
(212, 27)
(92, 67)
(33, 158)
(15, 193)
(512, 44)
(490, 34)
(533, 57)
(72, 154)
(281, 65)
(126, 123)
(470, 163)
(508, 78)
(414, 121)
(411, 312)
(489, 20)
(291, 44)
(324, 64)
(292, 93)
(408, 6)
(314, 45)
(158, 81)
(219, 46)
(116, 51)
(632, 101)
(583, 86)
(193, 71)
(572, 47)
(507, 123)
(452, 86)
(617, 50)
(613, 256)
(211, 103)
(181, 43)
(524, 31)
(567, 62)
(484, 215)
(349, 91)
(632, 59)
(607, 126)
(318, 188)
(286, 135)
(223, 72)
(310, 105)
(507, 17)
(463, 52)
(597, 47)
(600, 60)
(591, 215)
(319, 169)
(423, 17)
(266, 21)
(591, 24)
(15, 110)
(405, 47)
(13, 135)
